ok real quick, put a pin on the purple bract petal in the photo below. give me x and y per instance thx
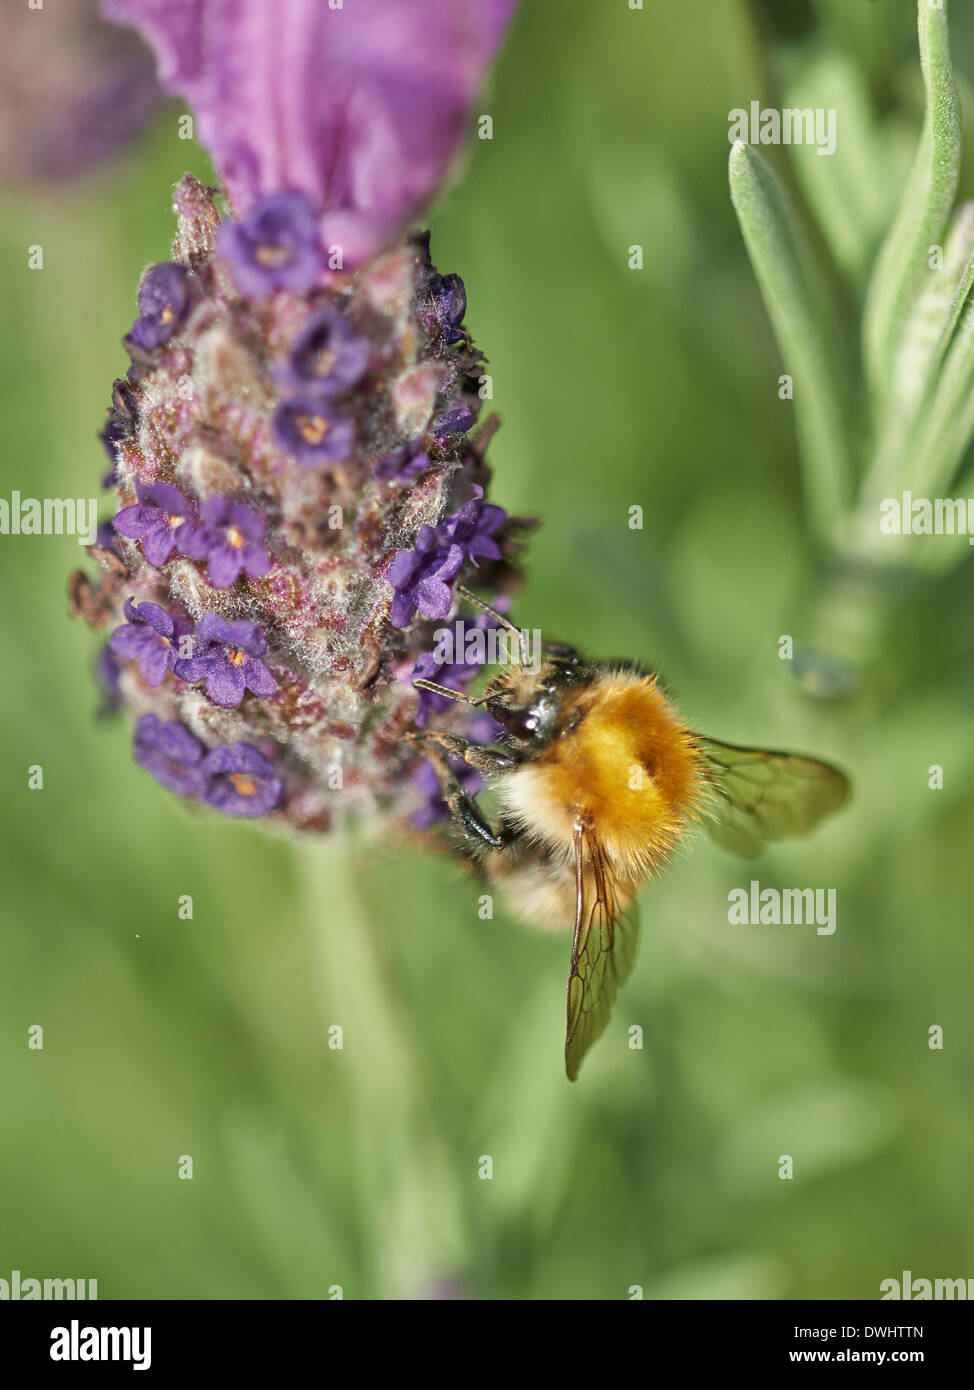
(361, 108)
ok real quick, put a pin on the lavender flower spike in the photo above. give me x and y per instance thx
(361, 108)
(299, 510)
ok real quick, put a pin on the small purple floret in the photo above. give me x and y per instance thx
(421, 578)
(448, 304)
(240, 780)
(275, 247)
(105, 537)
(442, 298)
(167, 750)
(230, 541)
(402, 465)
(450, 296)
(228, 657)
(149, 636)
(453, 422)
(474, 528)
(163, 304)
(329, 356)
(162, 520)
(308, 428)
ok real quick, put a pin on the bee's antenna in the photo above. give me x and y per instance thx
(456, 695)
(506, 623)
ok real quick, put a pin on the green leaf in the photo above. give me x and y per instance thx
(945, 424)
(848, 190)
(961, 238)
(924, 208)
(928, 332)
(796, 297)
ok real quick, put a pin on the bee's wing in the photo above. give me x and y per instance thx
(759, 795)
(603, 948)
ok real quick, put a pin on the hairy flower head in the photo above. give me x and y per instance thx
(292, 518)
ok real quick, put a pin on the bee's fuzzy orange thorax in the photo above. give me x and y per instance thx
(624, 764)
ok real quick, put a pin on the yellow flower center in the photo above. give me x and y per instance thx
(236, 657)
(167, 314)
(272, 256)
(176, 521)
(234, 537)
(246, 786)
(313, 428)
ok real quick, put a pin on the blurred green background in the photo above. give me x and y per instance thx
(164, 1037)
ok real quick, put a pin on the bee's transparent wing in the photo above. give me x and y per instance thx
(603, 948)
(758, 795)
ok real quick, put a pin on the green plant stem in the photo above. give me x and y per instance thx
(404, 1171)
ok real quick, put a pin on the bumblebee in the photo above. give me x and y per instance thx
(598, 781)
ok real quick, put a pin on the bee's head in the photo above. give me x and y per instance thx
(527, 703)
(524, 699)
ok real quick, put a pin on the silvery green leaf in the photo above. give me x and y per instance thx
(946, 423)
(796, 297)
(924, 208)
(930, 326)
(846, 187)
(962, 239)
(929, 452)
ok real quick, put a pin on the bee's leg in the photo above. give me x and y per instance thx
(475, 830)
(485, 760)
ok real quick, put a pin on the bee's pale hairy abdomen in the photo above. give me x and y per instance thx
(539, 889)
(622, 763)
